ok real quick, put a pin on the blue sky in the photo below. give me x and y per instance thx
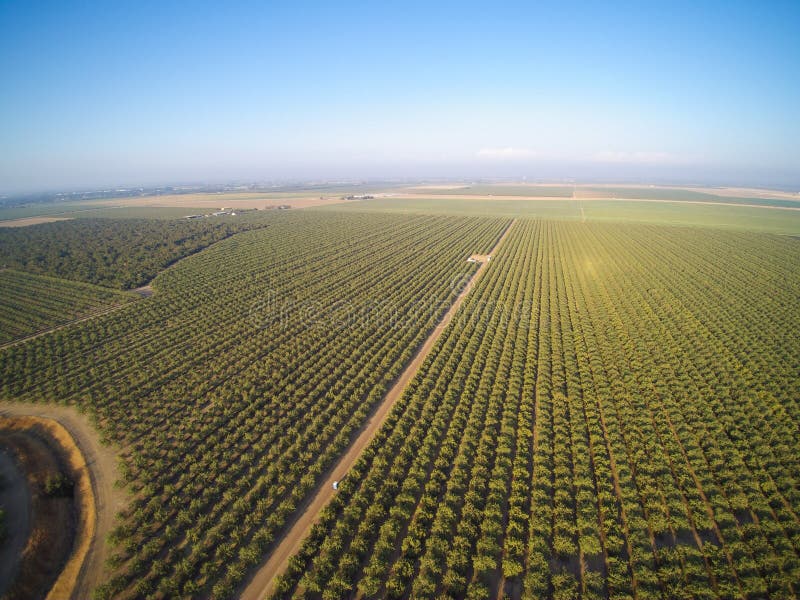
(97, 94)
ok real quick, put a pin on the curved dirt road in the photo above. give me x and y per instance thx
(263, 580)
(101, 461)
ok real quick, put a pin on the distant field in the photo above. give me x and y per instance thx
(683, 195)
(28, 215)
(553, 191)
(31, 303)
(745, 218)
(27, 221)
(209, 202)
(437, 199)
(175, 205)
(674, 213)
(138, 212)
(206, 201)
(654, 193)
(35, 210)
(466, 206)
(610, 192)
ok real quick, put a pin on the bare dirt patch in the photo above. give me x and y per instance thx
(25, 222)
(145, 291)
(95, 470)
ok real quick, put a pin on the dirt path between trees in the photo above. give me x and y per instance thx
(101, 464)
(262, 582)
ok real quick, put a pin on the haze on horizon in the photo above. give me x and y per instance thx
(147, 93)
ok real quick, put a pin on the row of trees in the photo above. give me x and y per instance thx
(30, 303)
(239, 382)
(638, 440)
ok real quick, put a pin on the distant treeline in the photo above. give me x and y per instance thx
(118, 253)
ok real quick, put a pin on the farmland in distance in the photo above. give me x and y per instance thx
(782, 217)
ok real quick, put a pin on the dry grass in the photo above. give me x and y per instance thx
(31, 221)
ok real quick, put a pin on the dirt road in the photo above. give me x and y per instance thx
(263, 580)
(101, 461)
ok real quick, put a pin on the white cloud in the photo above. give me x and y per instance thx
(648, 158)
(508, 153)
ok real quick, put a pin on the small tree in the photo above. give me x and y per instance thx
(57, 485)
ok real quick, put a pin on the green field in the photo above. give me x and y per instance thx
(688, 195)
(607, 192)
(612, 415)
(655, 193)
(31, 303)
(556, 209)
(37, 210)
(612, 412)
(673, 213)
(743, 218)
